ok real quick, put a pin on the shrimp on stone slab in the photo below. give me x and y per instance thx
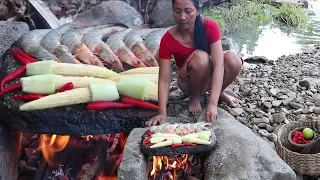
(93, 39)
(30, 43)
(52, 42)
(118, 46)
(72, 40)
(135, 41)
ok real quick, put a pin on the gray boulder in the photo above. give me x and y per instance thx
(9, 33)
(162, 15)
(241, 154)
(111, 12)
(134, 164)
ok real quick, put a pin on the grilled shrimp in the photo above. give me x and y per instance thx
(72, 39)
(118, 46)
(30, 43)
(134, 41)
(93, 39)
(153, 39)
(52, 42)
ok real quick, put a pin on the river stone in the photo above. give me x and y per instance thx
(134, 164)
(162, 15)
(72, 120)
(9, 33)
(111, 12)
(241, 154)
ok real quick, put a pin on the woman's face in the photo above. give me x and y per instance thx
(184, 13)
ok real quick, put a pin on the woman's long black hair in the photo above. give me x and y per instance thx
(199, 30)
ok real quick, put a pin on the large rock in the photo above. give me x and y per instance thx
(73, 120)
(162, 15)
(9, 33)
(134, 164)
(241, 154)
(111, 12)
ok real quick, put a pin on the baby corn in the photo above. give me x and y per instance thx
(142, 70)
(74, 96)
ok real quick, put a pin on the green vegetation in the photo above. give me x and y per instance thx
(242, 13)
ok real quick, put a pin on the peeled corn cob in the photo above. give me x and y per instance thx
(142, 70)
(74, 96)
(67, 69)
(152, 77)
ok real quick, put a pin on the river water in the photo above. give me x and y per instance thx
(273, 42)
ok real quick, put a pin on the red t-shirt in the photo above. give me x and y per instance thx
(170, 46)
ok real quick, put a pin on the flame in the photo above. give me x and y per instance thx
(87, 138)
(52, 145)
(101, 176)
(169, 163)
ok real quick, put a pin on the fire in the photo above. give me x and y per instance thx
(55, 149)
(101, 176)
(52, 145)
(169, 164)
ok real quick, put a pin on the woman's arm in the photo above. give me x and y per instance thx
(217, 79)
(163, 93)
(164, 84)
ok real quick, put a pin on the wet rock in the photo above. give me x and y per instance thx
(256, 59)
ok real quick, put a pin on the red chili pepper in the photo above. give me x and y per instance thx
(149, 133)
(26, 55)
(99, 105)
(188, 144)
(139, 103)
(177, 145)
(29, 97)
(66, 87)
(299, 138)
(19, 58)
(146, 140)
(17, 73)
(11, 88)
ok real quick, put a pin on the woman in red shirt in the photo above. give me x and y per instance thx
(195, 44)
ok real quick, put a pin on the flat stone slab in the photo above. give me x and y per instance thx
(67, 120)
(169, 150)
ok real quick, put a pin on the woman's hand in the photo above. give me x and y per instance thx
(211, 113)
(160, 118)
